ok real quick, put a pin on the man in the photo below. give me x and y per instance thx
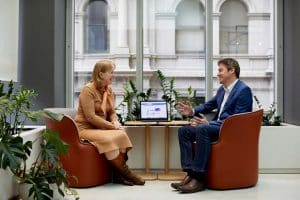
(233, 97)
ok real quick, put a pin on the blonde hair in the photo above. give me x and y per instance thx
(101, 66)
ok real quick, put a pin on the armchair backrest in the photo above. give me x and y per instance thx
(71, 112)
(67, 127)
(243, 127)
(233, 161)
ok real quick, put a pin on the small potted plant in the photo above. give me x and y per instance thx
(46, 170)
(269, 118)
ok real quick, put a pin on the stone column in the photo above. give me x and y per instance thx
(79, 28)
(122, 52)
(146, 61)
(216, 33)
(122, 26)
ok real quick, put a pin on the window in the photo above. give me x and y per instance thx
(233, 28)
(190, 33)
(9, 35)
(96, 34)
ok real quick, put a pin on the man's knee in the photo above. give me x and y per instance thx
(206, 132)
(182, 132)
(203, 130)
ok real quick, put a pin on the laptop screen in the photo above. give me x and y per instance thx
(154, 111)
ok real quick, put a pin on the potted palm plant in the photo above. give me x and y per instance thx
(131, 102)
(45, 171)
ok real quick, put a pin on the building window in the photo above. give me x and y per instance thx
(190, 33)
(96, 30)
(233, 29)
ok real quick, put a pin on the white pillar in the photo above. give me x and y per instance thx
(79, 28)
(146, 27)
(216, 33)
(146, 60)
(122, 26)
(122, 51)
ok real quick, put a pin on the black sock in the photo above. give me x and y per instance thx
(200, 176)
(188, 171)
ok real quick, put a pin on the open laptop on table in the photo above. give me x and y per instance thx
(154, 111)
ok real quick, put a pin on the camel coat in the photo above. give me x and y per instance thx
(94, 116)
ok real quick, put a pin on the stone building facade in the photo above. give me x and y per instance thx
(174, 42)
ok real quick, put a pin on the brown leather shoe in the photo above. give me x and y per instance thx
(192, 186)
(185, 180)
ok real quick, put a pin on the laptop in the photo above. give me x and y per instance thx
(154, 111)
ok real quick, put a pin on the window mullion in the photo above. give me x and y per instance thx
(208, 50)
(139, 44)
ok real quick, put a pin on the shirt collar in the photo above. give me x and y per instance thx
(229, 88)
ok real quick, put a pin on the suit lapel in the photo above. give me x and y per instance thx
(232, 93)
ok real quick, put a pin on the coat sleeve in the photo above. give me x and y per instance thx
(210, 105)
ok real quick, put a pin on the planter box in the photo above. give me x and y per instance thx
(279, 149)
(8, 186)
(34, 136)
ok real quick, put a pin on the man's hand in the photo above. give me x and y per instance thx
(184, 109)
(196, 121)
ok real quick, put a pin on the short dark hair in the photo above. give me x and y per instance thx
(231, 63)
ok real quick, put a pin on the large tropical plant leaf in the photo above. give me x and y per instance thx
(53, 138)
(41, 190)
(13, 151)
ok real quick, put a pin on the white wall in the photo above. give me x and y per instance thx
(9, 22)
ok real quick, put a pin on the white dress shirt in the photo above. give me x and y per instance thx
(226, 94)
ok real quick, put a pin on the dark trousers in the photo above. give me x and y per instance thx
(203, 135)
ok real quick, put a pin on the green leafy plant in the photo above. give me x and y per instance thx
(131, 102)
(14, 152)
(269, 118)
(170, 94)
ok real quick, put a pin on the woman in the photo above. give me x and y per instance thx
(97, 122)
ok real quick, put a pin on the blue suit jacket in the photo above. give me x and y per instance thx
(239, 101)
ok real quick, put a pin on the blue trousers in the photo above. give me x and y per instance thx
(203, 135)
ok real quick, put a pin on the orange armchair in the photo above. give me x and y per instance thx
(233, 161)
(82, 160)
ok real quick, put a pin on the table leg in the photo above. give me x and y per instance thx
(147, 149)
(167, 175)
(167, 142)
(148, 175)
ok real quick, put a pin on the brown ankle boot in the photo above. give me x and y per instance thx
(117, 178)
(120, 166)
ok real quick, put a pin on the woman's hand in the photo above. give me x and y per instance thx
(196, 121)
(116, 124)
(185, 109)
